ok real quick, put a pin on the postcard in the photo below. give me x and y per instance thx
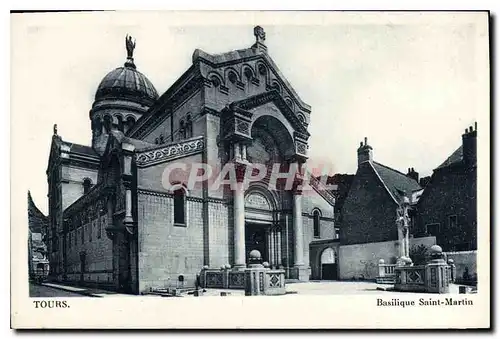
(250, 170)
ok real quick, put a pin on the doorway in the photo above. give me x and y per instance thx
(256, 239)
(328, 264)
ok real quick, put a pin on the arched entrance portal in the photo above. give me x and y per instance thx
(328, 263)
(262, 231)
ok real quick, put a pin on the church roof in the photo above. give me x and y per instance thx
(398, 184)
(126, 81)
(81, 149)
(455, 158)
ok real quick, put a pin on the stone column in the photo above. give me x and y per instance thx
(278, 247)
(297, 230)
(239, 219)
(272, 261)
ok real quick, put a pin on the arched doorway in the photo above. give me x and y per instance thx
(328, 263)
(262, 230)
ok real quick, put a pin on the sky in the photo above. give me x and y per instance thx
(410, 84)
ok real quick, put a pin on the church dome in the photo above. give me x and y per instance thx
(126, 84)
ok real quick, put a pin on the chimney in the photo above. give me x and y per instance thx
(412, 174)
(469, 146)
(365, 152)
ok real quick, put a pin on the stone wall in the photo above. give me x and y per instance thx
(72, 183)
(90, 238)
(462, 260)
(360, 261)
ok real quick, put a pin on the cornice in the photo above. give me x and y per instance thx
(170, 152)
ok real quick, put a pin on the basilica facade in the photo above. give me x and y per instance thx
(119, 218)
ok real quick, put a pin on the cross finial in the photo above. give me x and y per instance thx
(260, 34)
(55, 129)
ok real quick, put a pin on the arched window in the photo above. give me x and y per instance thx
(182, 130)
(316, 218)
(179, 207)
(87, 184)
(189, 126)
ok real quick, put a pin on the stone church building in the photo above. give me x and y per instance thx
(113, 220)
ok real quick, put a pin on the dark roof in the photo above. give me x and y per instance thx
(82, 149)
(455, 158)
(126, 80)
(399, 184)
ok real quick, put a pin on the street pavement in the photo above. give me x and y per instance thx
(40, 291)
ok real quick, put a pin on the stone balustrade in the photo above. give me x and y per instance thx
(386, 273)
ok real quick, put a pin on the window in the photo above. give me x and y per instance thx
(316, 217)
(87, 184)
(91, 230)
(99, 228)
(179, 207)
(432, 229)
(337, 233)
(189, 126)
(182, 130)
(83, 234)
(452, 222)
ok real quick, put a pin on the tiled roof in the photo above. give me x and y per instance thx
(397, 183)
(454, 158)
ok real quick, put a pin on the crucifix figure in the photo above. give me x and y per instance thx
(403, 224)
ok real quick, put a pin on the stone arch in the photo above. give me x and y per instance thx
(302, 118)
(272, 128)
(328, 256)
(216, 79)
(276, 85)
(247, 72)
(264, 197)
(231, 75)
(262, 71)
(289, 102)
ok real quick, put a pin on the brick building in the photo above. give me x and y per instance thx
(118, 219)
(369, 210)
(447, 208)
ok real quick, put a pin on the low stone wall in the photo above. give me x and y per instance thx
(254, 281)
(464, 260)
(360, 261)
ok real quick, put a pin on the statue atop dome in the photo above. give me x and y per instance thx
(130, 45)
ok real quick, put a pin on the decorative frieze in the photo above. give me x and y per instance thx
(170, 152)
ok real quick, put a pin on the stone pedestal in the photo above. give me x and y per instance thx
(300, 273)
(254, 280)
(436, 272)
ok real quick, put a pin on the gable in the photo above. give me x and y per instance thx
(367, 188)
(398, 184)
